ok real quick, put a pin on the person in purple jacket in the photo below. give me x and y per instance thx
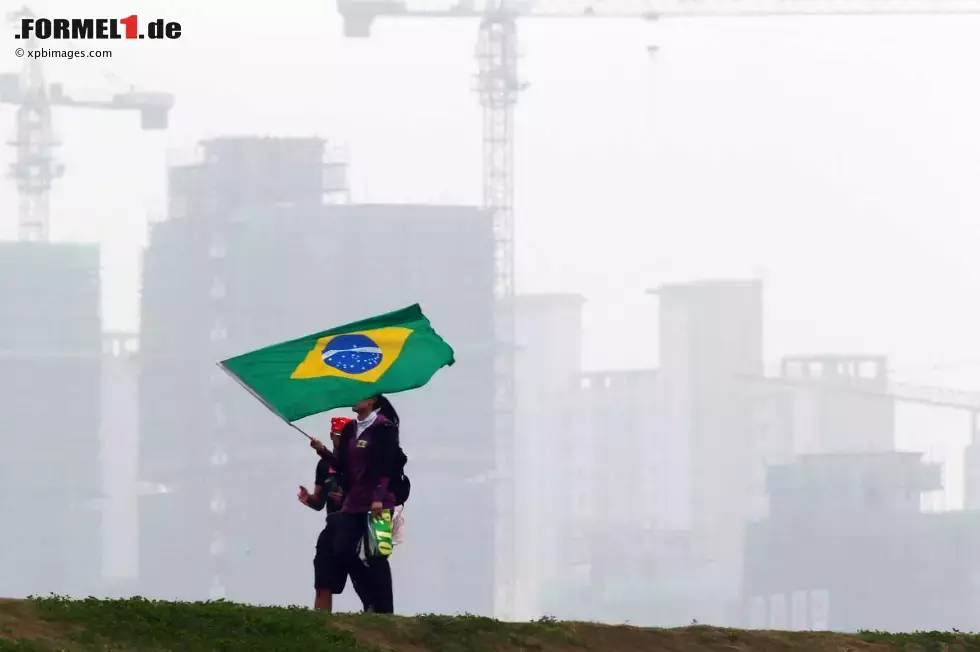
(365, 457)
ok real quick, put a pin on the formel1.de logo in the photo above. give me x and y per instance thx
(100, 29)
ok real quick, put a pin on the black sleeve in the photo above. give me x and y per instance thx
(322, 475)
(386, 450)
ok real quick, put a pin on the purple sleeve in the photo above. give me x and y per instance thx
(381, 491)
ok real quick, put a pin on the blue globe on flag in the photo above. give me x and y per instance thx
(352, 354)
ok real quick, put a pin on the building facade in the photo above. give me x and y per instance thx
(550, 448)
(50, 367)
(818, 404)
(626, 496)
(846, 548)
(841, 403)
(711, 336)
(119, 437)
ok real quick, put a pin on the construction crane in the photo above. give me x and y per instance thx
(499, 86)
(35, 167)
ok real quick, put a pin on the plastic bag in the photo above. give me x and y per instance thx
(398, 527)
(379, 541)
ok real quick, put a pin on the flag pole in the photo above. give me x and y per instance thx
(265, 403)
(301, 431)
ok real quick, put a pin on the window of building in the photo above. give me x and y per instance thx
(217, 546)
(219, 457)
(219, 333)
(218, 290)
(218, 249)
(868, 370)
(218, 504)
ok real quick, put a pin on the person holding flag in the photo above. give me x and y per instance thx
(367, 457)
(329, 575)
(352, 365)
(400, 485)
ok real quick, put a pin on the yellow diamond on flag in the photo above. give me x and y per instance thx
(361, 355)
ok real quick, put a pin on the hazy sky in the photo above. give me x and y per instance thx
(837, 156)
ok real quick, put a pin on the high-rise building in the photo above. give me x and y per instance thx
(622, 488)
(120, 462)
(549, 450)
(623, 413)
(250, 256)
(50, 358)
(711, 337)
(710, 341)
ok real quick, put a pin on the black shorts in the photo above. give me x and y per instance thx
(329, 574)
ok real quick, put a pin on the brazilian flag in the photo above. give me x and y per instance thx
(341, 366)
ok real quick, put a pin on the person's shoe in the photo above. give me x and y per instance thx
(368, 609)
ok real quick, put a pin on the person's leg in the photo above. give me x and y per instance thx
(361, 580)
(323, 601)
(350, 530)
(382, 591)
(321, 582)
(328, 578)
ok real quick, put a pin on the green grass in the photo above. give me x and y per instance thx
(925, 641)
(477, 634)
(138, 625)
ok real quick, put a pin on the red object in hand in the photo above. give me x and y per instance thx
(337, 424)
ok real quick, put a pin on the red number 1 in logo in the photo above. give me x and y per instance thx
(130, 23)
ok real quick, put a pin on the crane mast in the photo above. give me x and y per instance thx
(35, 168)
(499, 85)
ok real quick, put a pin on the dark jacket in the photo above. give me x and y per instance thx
(328, 481)
(364, 478)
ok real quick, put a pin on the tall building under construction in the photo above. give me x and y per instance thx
(551, 562)
(711, 339)
(253, 254)
(50, 360)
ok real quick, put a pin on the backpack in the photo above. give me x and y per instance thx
(398, 482)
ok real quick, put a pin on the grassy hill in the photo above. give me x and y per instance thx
(135, 625)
